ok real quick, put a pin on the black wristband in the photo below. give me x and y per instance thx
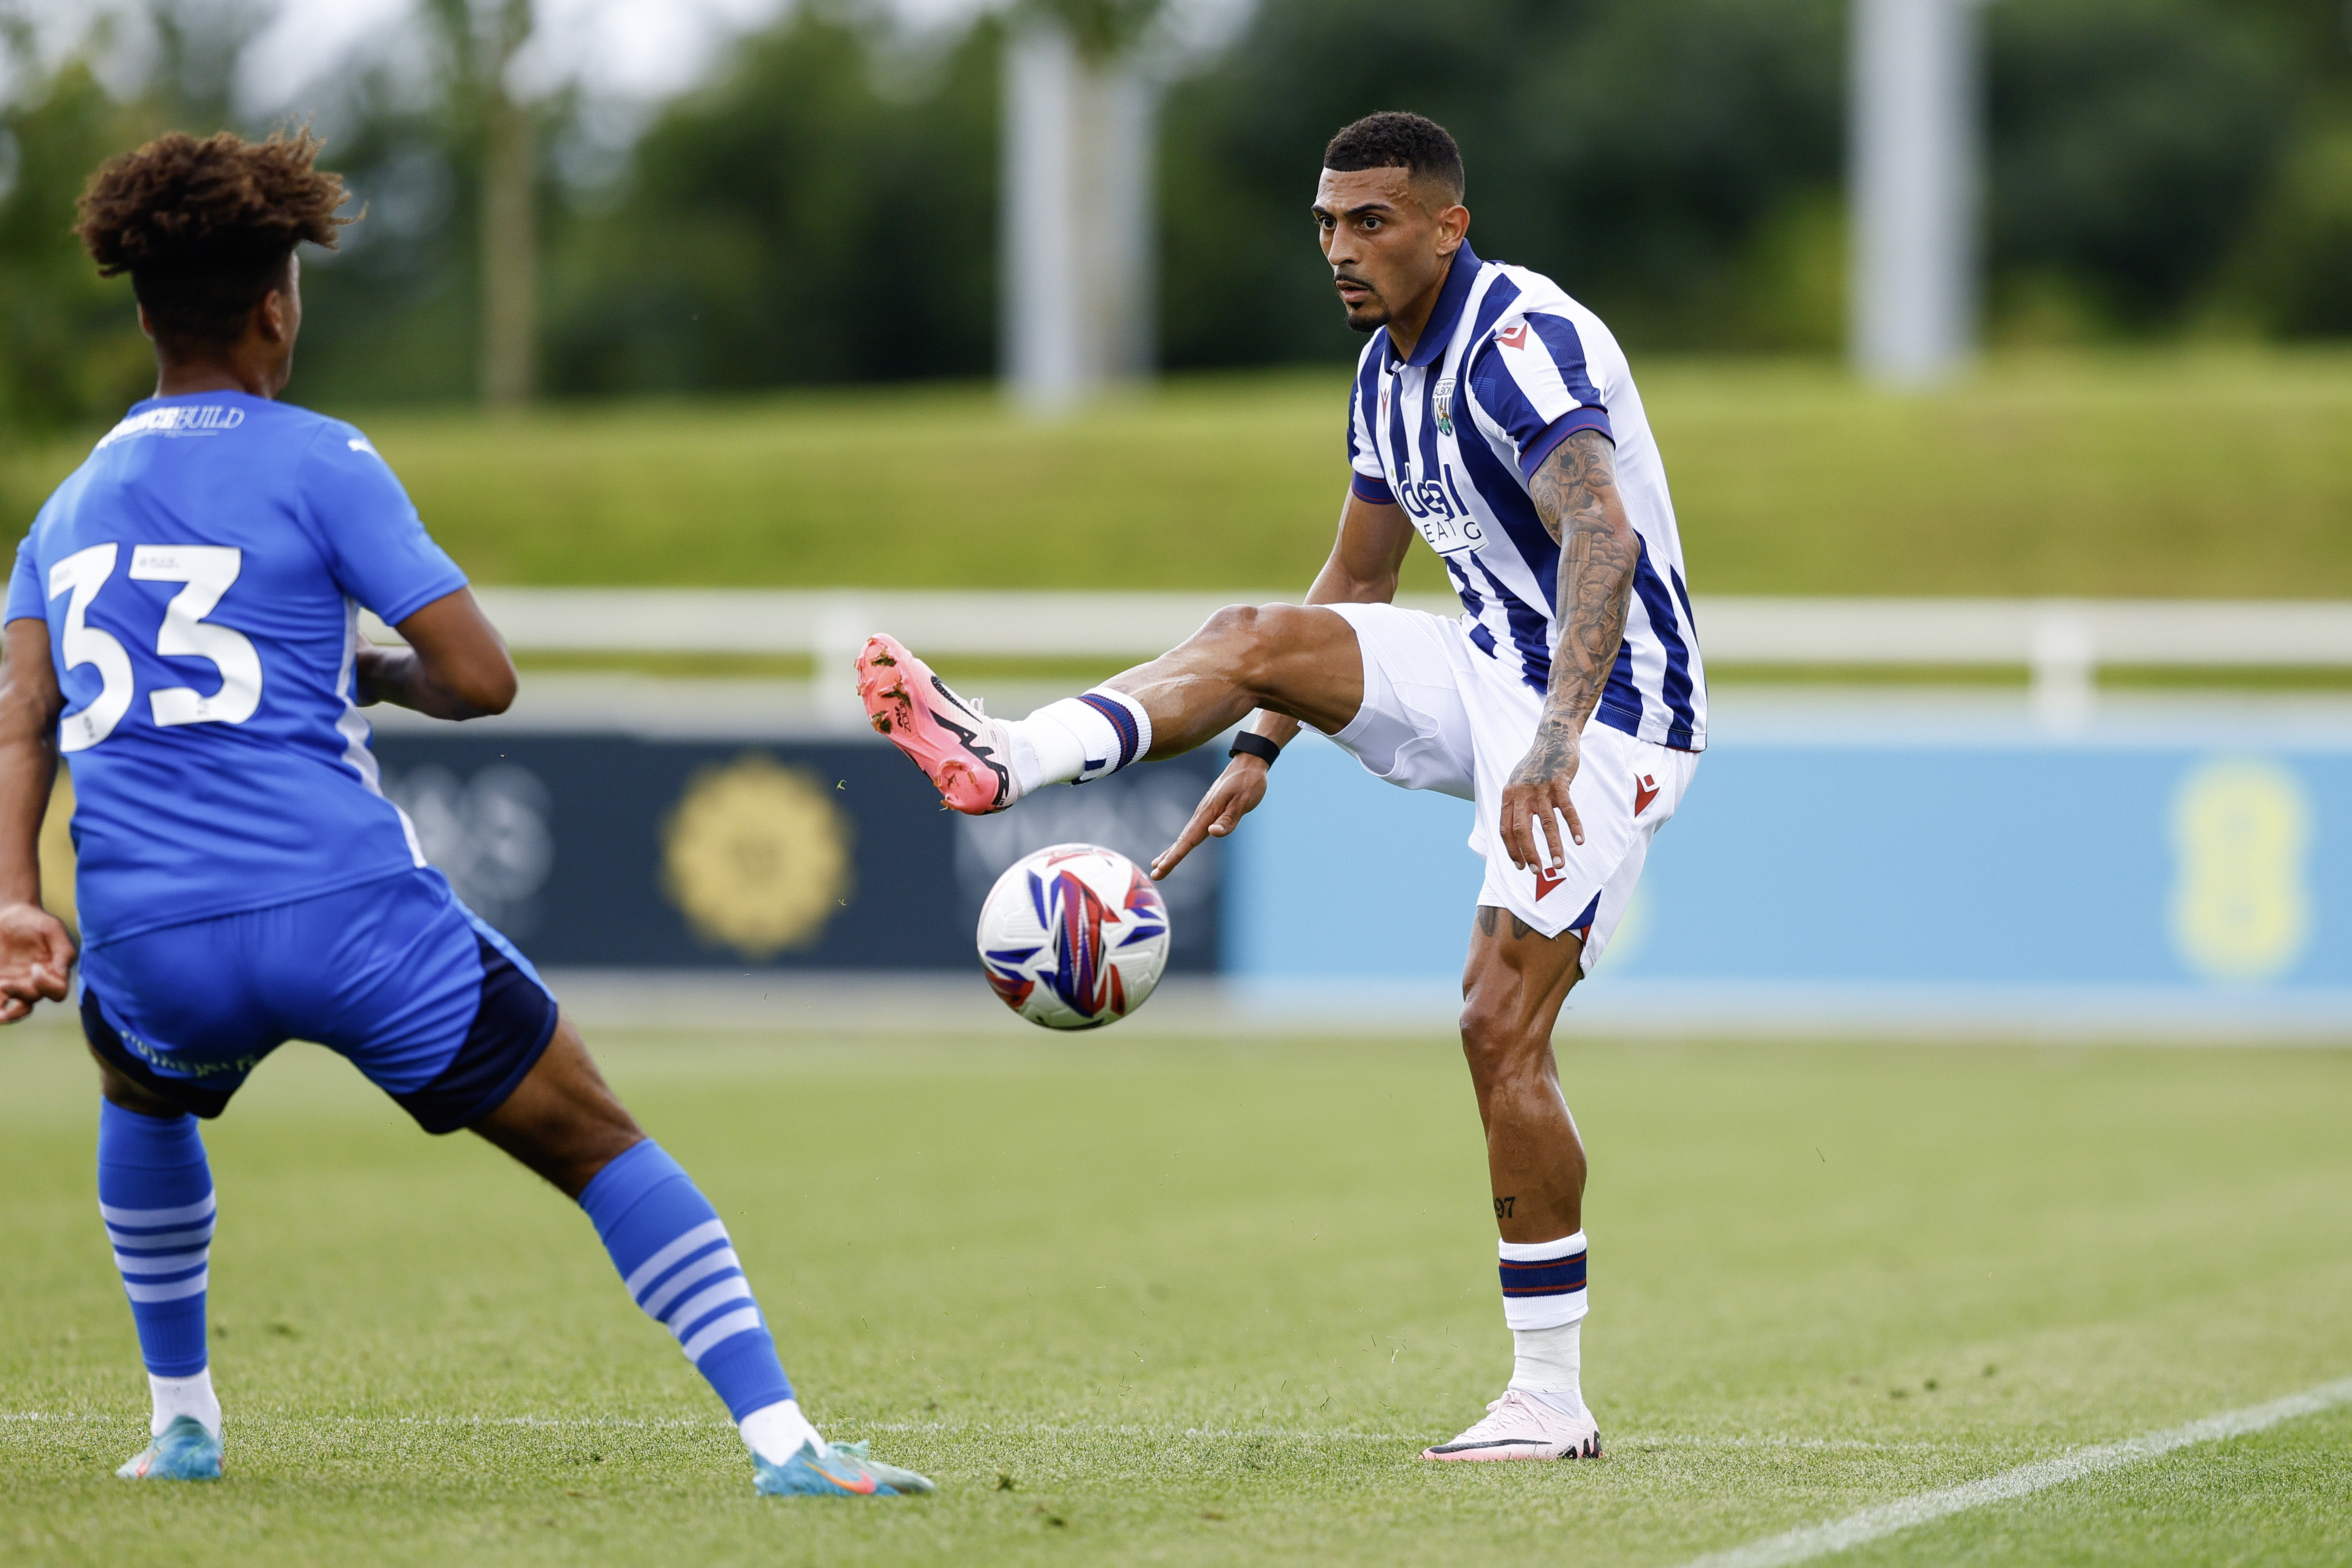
(1248, 745)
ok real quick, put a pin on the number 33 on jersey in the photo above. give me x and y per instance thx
(208, 571)
(201, 575)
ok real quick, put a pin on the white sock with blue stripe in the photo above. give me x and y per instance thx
(677, 1263)
(1544, 1302)
(1078, 739)
(155, 1194)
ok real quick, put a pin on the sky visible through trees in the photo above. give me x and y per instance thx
(818, 205)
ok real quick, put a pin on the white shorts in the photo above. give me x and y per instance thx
(1440, 715)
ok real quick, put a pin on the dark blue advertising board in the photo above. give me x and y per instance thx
(595, 850)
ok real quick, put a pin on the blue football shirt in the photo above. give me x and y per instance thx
(202, 575)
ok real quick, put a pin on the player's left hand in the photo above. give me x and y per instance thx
(1233, 796)
(1538, 792)
(37, 958)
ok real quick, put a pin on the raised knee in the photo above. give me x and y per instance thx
(1251, 636)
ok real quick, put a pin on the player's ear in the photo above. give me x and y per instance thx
(1453, 227)
(278, 313)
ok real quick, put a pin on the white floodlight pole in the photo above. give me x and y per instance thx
(1078, 220)
(1044, 353)
(1915, 151)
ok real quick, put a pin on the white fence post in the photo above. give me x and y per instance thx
(2064, 692)
(1077, 254)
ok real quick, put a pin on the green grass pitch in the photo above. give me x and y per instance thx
(1168, 1302)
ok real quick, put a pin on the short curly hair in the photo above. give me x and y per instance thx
(1394, 139)
(205, 229)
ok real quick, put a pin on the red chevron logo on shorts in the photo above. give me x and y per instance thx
(1645, 790)
(1546, 879)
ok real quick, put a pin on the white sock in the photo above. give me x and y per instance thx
(1078, 738)
(176, 1397)
(1549, 1363)
(776, 1432)
(1544, 1305)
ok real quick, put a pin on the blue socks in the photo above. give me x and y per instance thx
(675, 1259)
(155, 1194)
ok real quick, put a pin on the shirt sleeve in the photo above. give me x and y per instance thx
(1532, 381)
(27, 601)
(375, 545)
(1371, 482)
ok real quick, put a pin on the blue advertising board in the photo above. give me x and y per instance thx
(2201, 869)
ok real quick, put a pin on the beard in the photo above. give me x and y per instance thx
(1369, 315)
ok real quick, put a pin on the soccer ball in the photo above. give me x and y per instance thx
(1074, 936)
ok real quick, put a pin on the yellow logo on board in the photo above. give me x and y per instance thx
(757, 856)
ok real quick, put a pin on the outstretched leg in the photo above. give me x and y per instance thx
(1512, 990)
(677, 1261)
(1301, 660)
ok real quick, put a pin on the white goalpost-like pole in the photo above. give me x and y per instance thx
(1914, 153)
(1077, 252)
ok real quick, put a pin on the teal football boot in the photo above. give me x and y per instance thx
(842, 1470)
(183, 1451)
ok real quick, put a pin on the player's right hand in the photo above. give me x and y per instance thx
(37, 958)
(1233, 796)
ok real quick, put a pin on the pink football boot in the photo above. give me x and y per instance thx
(1522, 1426)
(960, 749)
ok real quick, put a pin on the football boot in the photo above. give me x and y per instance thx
(842, 1469)
(182, 1451)
(964, 753)
(1519, 1426)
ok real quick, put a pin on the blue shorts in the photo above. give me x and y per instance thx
(438, 1009)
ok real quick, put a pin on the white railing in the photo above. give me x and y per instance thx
(2062, 641)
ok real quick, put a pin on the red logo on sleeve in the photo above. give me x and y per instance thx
(1516, 338)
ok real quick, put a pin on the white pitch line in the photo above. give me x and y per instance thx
(1905, 1513)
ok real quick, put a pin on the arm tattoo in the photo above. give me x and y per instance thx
(1575, 493)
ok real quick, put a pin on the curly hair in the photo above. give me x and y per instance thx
(1393, 139)
(205, 229)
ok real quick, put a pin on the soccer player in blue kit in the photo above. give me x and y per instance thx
(183, 625)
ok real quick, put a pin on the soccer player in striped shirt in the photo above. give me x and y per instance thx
(183, 625)
(1495, 417)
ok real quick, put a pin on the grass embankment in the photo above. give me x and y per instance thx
(2197, 475)
(1193, 1303)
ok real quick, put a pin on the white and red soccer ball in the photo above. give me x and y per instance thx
(1074, 936)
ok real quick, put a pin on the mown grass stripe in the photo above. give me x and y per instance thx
(1905, 1513)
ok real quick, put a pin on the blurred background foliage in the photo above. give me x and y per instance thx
(823, 209)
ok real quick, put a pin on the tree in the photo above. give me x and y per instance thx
(482, 38)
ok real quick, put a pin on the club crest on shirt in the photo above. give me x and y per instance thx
(1443, 400)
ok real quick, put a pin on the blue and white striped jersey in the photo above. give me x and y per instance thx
(1509, 367)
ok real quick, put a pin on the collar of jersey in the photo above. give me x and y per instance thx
(1459, 281)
